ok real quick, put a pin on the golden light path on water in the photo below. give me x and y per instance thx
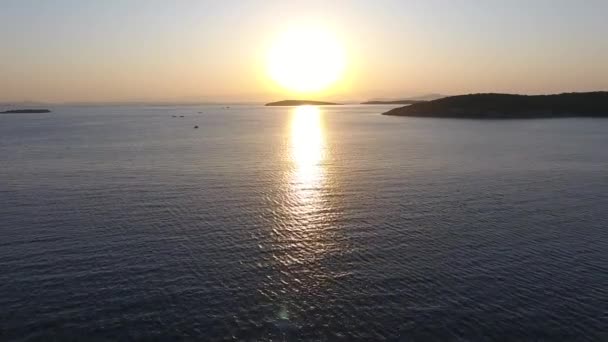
(303, 236)
(307, 155)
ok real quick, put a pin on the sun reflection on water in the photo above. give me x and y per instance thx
(304, 235)
(307, 153)
(307, 208)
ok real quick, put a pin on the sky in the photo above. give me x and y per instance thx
(188, 51)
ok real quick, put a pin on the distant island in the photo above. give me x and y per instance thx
(25, 111)
(505, 106)
(405, 102)
(301, 103)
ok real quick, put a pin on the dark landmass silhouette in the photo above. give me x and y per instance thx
(507, 106)
(25, 111)
(301, 103)
(405, 102)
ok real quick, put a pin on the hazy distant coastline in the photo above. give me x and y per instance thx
(404, 102)
(301, 103)
(496, 106)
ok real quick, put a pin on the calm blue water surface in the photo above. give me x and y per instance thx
(301, 224)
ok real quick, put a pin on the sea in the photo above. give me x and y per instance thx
(253, 223)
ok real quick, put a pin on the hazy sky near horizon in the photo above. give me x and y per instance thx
(152, 50)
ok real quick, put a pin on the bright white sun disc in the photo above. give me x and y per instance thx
(306, 60)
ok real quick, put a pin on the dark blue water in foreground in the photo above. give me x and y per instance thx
(283, 224)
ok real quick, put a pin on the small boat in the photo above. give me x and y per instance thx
(196, 126)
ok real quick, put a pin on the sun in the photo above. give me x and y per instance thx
(306, 60)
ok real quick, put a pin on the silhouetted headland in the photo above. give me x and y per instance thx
(506, 106)
(404, 102)
(25, 111)
(301, 103)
